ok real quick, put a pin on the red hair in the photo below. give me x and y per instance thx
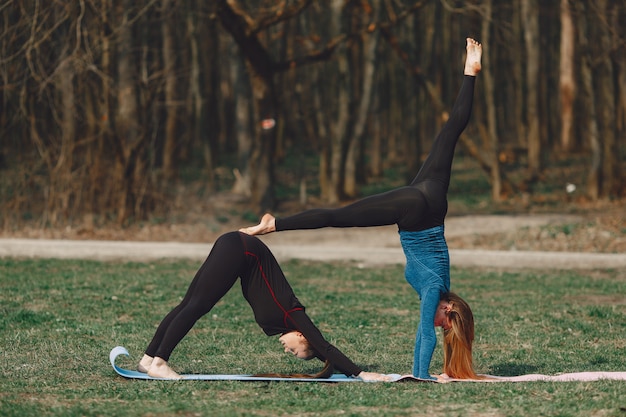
(457, 341)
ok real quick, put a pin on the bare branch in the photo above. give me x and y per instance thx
(314, 56)
(79, 21)
(238, 25)
(280, 14)
(464, 9)
(321, 55)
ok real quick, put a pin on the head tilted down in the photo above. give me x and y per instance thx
(295, 343)
(458, 336)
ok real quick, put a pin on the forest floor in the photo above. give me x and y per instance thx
(550, 219)
(579, 227)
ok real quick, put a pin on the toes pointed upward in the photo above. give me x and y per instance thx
(472, 60)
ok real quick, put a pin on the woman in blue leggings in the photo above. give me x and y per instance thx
(419, 210)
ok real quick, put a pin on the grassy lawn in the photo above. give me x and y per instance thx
(59, 320)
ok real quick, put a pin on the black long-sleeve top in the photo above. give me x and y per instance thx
(276, 308)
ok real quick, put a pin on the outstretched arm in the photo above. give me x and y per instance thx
(426, 338)
(328, 351)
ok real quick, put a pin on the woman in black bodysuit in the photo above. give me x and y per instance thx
(276, 308)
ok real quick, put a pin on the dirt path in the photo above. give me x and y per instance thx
(364, 246)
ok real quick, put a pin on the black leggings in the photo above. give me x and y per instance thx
(214, 279)
(418, 206)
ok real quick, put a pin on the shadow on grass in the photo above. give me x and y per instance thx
(512, 369)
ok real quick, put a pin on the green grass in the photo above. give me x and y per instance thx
(59, 320)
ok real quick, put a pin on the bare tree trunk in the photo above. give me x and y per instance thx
(391, 114)
(127, 136)
(299, 130)
(517, 80)
(324, 135)
(492, 130)
(620, 112)
(98, 124)
(195, 103)
(261, 160)
(61, 186)
(61, 175)
(242, 129)
(408, 106)
(587, 118)
(567, 85)
(264, 105)
(548, 95)
(340, 124)
(213, 126)
(376, 144)
(170, 101)
(605, 99)
(91, 161)
(531, 43)
(369, 72)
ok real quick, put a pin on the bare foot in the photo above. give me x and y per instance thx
(442, 379)
(145, 363)
(472, 60)
(160, 369)
(267, 225)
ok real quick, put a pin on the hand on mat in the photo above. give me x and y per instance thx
(373, 377)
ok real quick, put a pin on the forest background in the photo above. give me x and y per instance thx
(117, 112)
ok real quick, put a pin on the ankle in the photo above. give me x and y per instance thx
(145, 363)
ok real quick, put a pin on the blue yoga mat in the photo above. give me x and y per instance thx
(576, 376)
(126, 373)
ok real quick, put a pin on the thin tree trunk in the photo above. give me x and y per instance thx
(105, 113)
(358, 133)
(376, 143)
(408, 107)
(264, 104)
(518, 81)
(386, 104)
(195, 102)
(324, 135)
(61, 175)
(492, 130)
(340, 124)
(62, 188)
(616, 19)
(170, 108)
(604, 89)
(212, 126)
(587, 118)
(126, 139)
(567, 85)
(242, 130)
(531, 44)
